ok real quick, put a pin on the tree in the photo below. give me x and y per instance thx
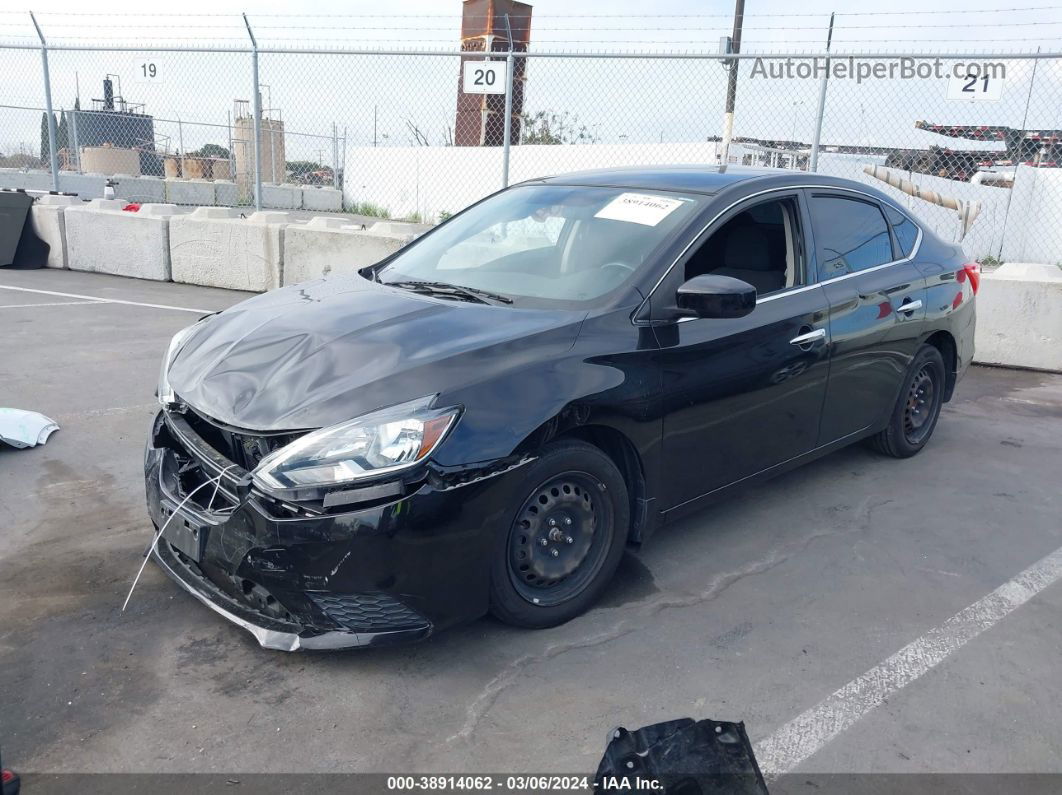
(549, 127)
(63, 134)
(211, 150)
(44, 136)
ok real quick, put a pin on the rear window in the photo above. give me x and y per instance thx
(850, 235)
(903, 228)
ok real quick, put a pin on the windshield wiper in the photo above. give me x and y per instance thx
(445, 288)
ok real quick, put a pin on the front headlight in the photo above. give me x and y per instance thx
(384, 441)
(165, 391)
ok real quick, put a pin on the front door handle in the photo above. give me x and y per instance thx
(809, 337)
(909, 307)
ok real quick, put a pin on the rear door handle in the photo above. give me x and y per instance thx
(810, 337)
(909, 307)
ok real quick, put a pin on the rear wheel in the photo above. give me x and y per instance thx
(565, 539)
(918, 407)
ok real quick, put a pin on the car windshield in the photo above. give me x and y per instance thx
(553, 243)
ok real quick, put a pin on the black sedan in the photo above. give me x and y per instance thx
(485, 420)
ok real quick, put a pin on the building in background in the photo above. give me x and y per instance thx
(113, 124)
(481, 117)
(270, 144)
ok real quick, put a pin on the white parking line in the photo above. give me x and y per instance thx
(51, 303)
(810, 731)
(97, 299)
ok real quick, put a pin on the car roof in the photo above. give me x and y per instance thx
(705, 179)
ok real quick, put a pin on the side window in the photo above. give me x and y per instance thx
(850, 235)
(760, 245)
(903, 229)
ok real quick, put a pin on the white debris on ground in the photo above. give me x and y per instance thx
(21, 429)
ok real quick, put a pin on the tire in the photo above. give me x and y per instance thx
(576, 503)
(917, 408)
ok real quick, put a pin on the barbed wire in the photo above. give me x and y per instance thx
(772, 15)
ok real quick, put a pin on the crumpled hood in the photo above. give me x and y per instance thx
(318, 353)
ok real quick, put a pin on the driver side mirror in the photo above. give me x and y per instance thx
(709, 296)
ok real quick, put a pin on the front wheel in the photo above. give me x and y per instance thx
(565, 539)
(917, 409)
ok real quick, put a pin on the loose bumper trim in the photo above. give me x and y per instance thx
(270, 632)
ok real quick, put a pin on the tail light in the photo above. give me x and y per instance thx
(971, 270)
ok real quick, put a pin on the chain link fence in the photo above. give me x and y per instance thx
(971, 144)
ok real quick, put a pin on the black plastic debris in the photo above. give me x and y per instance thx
(14, 214)
(681, 757)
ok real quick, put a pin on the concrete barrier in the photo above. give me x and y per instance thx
(213, 246)
(225, 193)
(46, 219)
(41, 180)
(398, 228)
(145, 190)
(87, 186)
(1019, 317)
(326, 246)
(197, 192)
(281, 197)
(13, 178)
(102, 238)
(322, 199)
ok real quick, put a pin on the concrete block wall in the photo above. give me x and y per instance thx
(87, 186)
(214, 246)
(46, 220)
(144, 190)
(322, 199)
(225, 193)
(325, 246)
(281, 197)
(13, 178)
(196, 192)
(103, 238)
(1019, 317)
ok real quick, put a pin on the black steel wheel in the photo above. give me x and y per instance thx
(558, 541)
(921, 400)
(918, 407)
(565, 539)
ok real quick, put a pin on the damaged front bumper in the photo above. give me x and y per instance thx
(390, 568)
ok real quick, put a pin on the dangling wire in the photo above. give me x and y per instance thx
(154, 542)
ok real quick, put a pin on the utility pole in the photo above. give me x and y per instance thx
(816, 143)
(731, 85)
(256, 104)
(53, 133)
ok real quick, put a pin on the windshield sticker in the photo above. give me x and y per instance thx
(638, 208)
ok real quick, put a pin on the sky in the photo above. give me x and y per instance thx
(675, 24)
(381, 98)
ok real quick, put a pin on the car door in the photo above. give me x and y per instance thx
(876, 298)
(741, 395)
